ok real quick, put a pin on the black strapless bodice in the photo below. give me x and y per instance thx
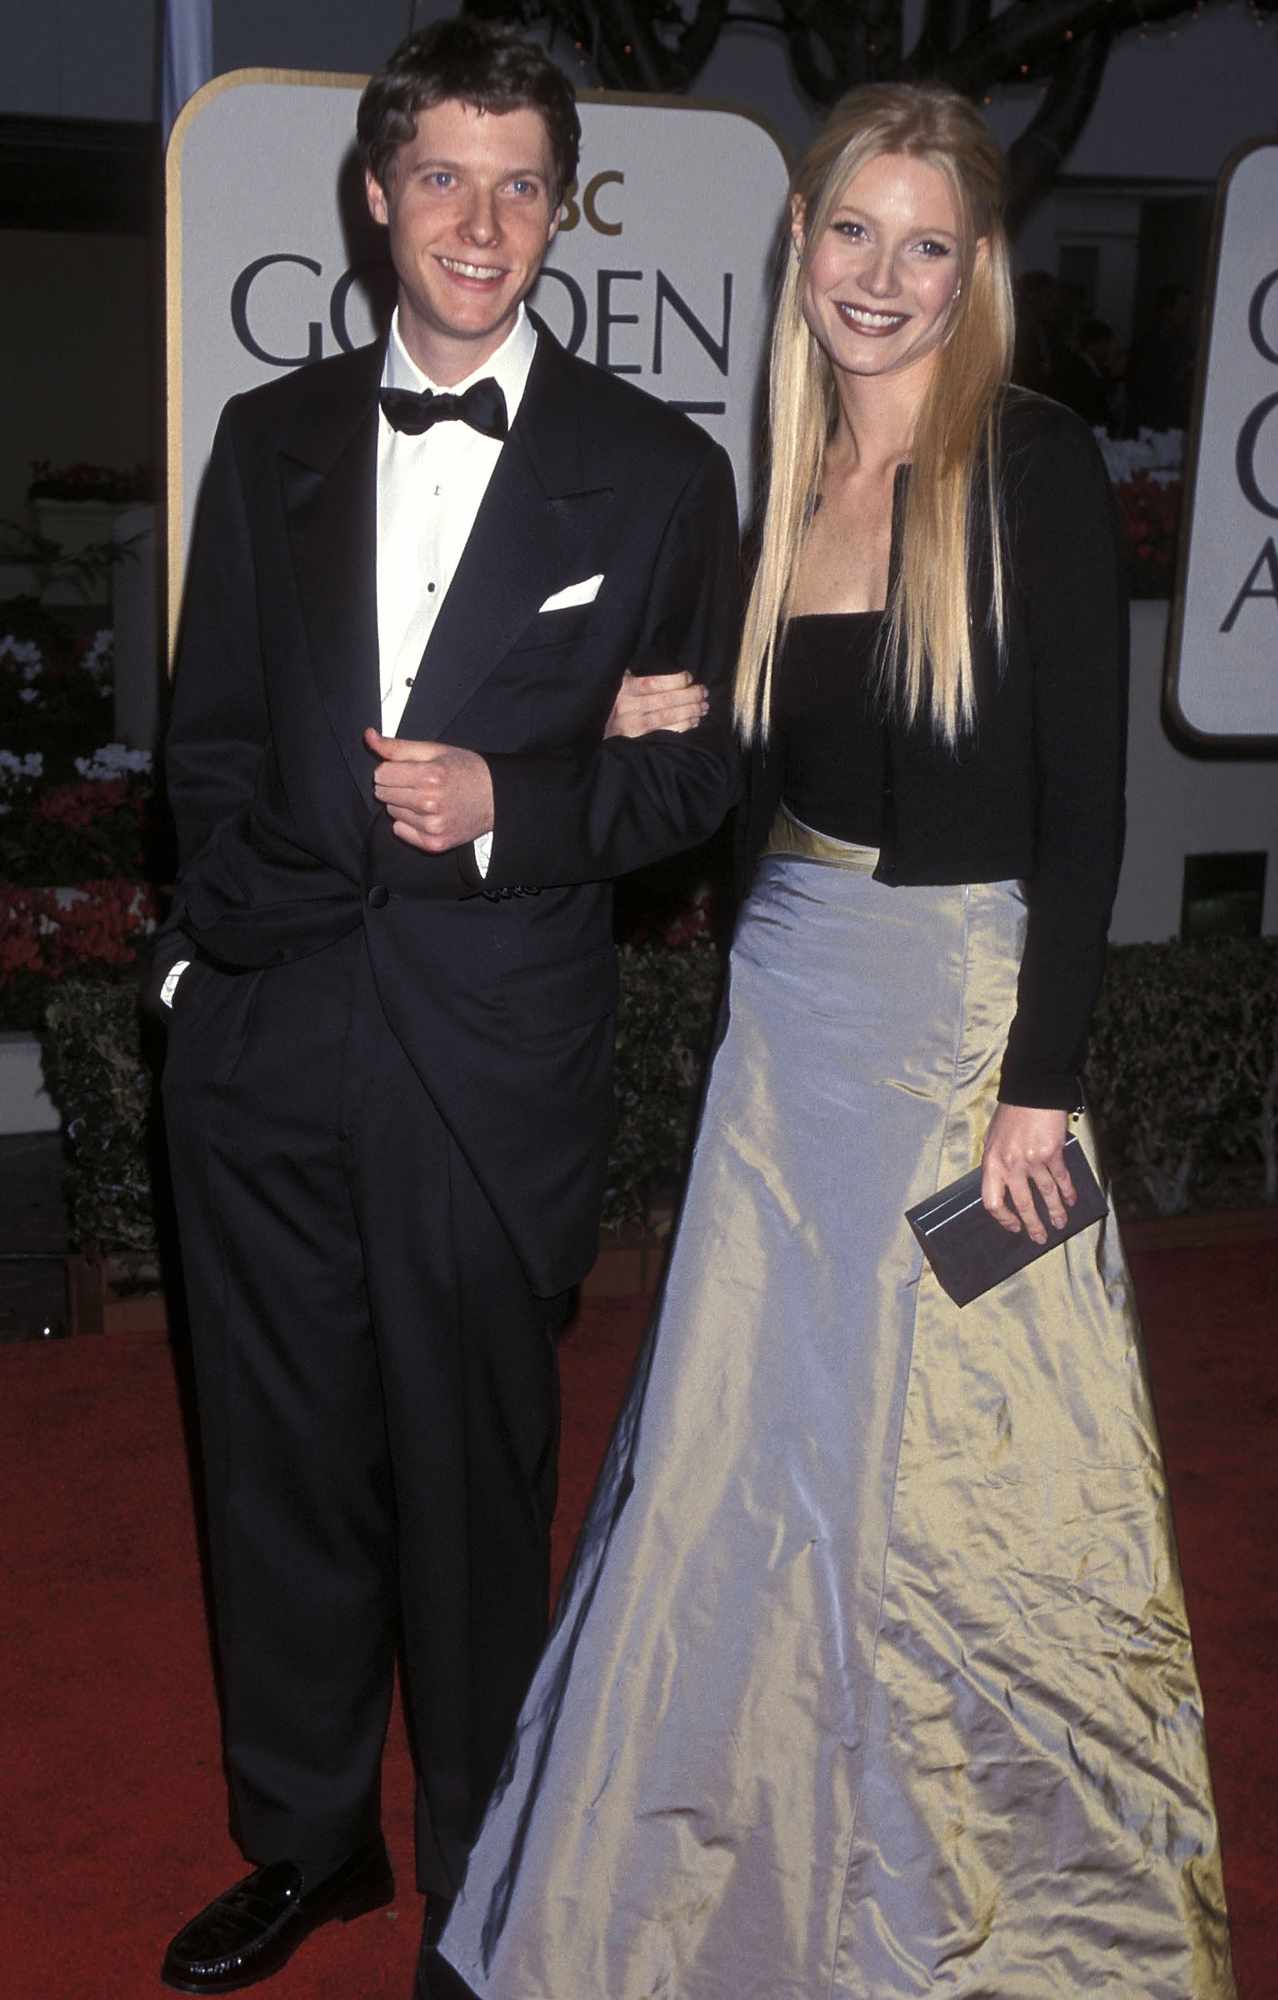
(829, 725)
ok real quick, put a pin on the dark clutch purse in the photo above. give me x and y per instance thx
(970, 1252)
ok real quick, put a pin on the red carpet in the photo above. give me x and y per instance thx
(114, 1806)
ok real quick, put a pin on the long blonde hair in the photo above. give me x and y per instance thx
(926, 651)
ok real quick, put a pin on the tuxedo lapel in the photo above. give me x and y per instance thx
(328, 471)
(534, 531)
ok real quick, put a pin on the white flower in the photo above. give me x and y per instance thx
(14, 769)
(1160, 453)
(25, 655)
(113, 760)
(1167, 447)
(100, 657)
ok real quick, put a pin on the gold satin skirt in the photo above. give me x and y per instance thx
(872, 1676)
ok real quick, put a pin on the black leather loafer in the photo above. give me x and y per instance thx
(251, 1931)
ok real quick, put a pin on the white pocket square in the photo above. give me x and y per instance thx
(576, 593)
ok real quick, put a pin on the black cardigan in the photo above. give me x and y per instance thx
(1036, 792)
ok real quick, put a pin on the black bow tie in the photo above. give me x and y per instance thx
(482, 406)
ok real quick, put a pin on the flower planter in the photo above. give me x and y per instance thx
(100, 1299)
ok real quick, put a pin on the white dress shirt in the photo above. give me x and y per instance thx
(429, 490)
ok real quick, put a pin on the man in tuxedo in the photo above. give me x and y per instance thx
(419, 575)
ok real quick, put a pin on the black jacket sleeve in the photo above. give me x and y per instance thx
(591, 814)
(1065, 568)
(219, 726)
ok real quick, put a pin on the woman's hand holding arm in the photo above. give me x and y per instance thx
(657, 701)
(1025, 1145)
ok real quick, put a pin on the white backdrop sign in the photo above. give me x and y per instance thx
(659, 270)
(1223, 660)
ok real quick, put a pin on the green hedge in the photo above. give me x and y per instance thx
(665, 1020)
(1183, 1074)
(1183, 1080)
(98, 1077)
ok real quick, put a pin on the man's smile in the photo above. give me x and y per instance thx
(487, 274)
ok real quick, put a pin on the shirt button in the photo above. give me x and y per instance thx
(431, 588)
(378, 896)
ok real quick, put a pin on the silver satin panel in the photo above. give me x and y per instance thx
(872, 1677)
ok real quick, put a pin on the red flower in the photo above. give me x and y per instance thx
(1149, 510)
(78, 804)
(51, 932)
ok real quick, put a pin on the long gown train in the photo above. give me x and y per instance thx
(872, 1677)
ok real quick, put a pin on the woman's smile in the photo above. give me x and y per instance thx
(869, 320)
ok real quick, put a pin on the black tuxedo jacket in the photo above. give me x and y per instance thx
(501, 991)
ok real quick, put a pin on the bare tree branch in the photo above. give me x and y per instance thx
(1036, 157)
(883, 39)
(638, 46)
(699, 37)
(633, 44)
(834, 44)
(976, 15)
(1029, 36)
(946, 25)
(821, 47)
(657, 45)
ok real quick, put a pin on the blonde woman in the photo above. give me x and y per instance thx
(872, 1678)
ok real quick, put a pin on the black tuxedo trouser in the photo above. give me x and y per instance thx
(378, 1404)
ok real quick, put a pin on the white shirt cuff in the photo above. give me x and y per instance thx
(171, 978)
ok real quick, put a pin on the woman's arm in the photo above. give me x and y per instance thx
(1066, 572)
